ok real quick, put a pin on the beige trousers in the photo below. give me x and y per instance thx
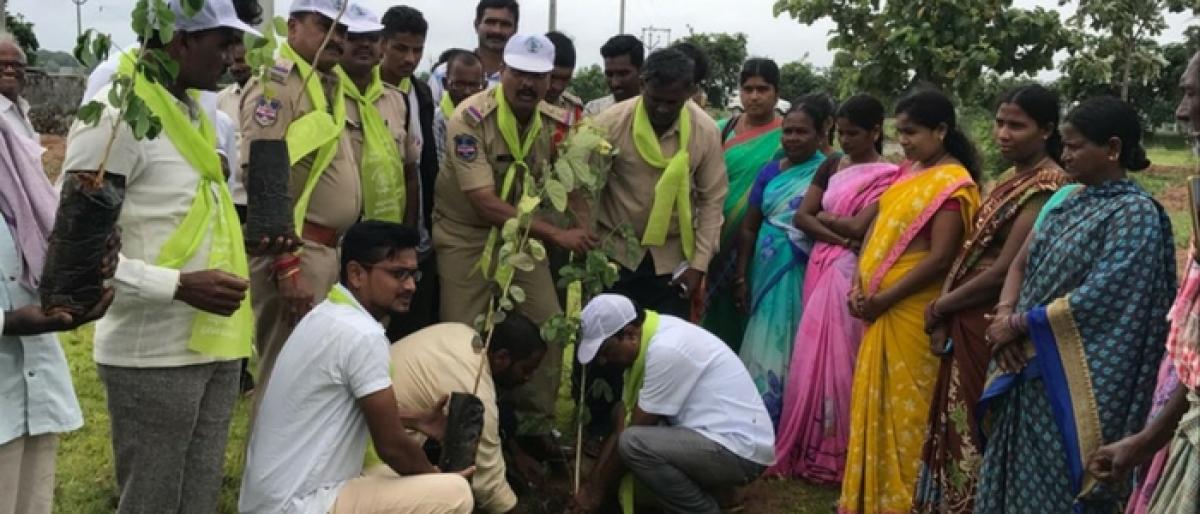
(382, 491)
(27, 474)
(319, 266)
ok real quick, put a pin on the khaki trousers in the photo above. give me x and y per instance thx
(27, 474)
(466, 295)
(319, 266)
(382, 491)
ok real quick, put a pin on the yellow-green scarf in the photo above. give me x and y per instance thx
(674, 187)
(405, 85)
(212, 335)
(633, 384)
(447, 105)
(520, 150)
(317, 130)
(382, 167)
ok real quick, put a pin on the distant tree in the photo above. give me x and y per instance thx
(22, 31)
(589, 83)
(54, 61)
(1154, 97)
(799, 78)
(726, 53)
(885, 47)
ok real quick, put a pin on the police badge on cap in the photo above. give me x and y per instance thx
(531, 53)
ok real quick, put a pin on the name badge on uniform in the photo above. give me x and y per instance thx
(466, 147)
(266, 112)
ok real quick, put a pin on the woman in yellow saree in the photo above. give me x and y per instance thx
(922, 220)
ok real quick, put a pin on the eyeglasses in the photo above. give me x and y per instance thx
(400, 274)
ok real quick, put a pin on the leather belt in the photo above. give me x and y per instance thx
(320, 234)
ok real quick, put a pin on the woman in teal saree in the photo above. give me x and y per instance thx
(1075, 363)
(774, 253)
(751, 142)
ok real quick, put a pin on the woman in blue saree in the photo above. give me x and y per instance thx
(1075, 362)
(774, 253)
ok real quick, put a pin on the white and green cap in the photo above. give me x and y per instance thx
(212, 14)
(602, 318)
(531, 53)
(331, 8)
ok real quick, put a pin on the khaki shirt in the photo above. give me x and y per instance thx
(444, 359)
(394, 110)
(337, 199)
(629, 193)
(476, 158)
(572, 106)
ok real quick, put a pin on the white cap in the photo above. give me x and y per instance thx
(213, 14)
(360, 20)
(331, 8)
(603, 317)
(531, 53)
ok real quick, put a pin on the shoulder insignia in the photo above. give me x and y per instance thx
(281, 69)
(466, 147)
(554, 112)
(266, 111)
(571, 99)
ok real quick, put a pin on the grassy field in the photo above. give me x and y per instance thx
(85, 471)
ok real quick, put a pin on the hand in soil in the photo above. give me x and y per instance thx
(31, 319)
(297, 297)
(279, 246)
(433, 423)
(108, 265)
(213, 291)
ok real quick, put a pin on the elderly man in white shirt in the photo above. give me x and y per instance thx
(167, 351)
(13, 108)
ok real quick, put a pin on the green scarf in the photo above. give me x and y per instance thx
(633, 385)
(447, 105)
(212, 335)
(382, 167)
(520, 150)
(317, 130)
(674, 187)
(405, 85)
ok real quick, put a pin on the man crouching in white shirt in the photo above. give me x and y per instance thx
(693, 422)
(331, 389)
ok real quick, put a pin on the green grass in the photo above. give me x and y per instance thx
(85, 481)
(1171, 156)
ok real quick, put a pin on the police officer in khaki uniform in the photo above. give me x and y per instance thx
(366, 90)
(468, 202)
(285, 286)
(560, 80)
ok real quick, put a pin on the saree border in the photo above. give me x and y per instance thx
(1068, 385)
(914, 227)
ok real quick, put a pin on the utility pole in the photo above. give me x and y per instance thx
(622, 29)
(3, 15)
(78, 17)
(553, 15)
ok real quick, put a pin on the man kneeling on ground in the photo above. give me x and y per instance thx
(445, 358)
(692, 422)
(331, 389)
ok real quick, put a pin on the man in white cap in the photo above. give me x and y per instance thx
(693, 422)
(287, 106)
(168, 351)
(481, 152)
(375, 118)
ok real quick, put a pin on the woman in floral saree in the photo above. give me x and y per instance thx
(751, 142)
(1026, 130)
(774, 253)
(923, 218)
(814, 429)
(1076, 360)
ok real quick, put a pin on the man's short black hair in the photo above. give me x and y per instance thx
(519, 336)
(371, 242)
(669, 66)
(698, 57)
(564, 49)
(402, 19)
(511, 5)
(624, 44)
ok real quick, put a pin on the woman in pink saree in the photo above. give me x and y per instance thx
(815, 425)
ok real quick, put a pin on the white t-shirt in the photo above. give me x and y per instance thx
(309, 435)
(695, 381)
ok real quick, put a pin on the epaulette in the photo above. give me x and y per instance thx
(575, 101)
(281, 69)
(476, 108)
(558, 114)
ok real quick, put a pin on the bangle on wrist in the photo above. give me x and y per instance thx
(288, 273)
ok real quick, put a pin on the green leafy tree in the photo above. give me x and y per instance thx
(885, 47)
(799, 78)
(22, 31)
(1118, 41)
(726, 53)
(589, 83)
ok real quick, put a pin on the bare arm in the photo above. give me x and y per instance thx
(806, 218)
(985, 286)
(394, 446)
(852, 227)
(1011, 291)
(946, 236)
